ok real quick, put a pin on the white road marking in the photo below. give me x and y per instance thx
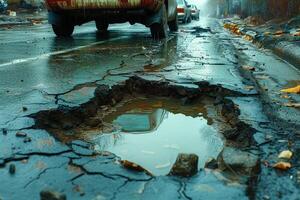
(46, 55)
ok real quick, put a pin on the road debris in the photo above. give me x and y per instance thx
(248, 68)
(295, 90)
(282, 166)
(21, 134)
(287, 154)
(290, 104)
(52, 195)
(186, 165)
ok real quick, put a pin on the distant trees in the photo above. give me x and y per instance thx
(264, 8)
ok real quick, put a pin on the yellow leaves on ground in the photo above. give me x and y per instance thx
(285, 154)
(295, 90)
(234, 28)
(279, 33)
(282, 165)
(294, 105)
(249, 38)
(249, 87)
(297, 34)
(248, 68)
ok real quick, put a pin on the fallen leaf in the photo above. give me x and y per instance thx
(285, 154)
(285, 96)
(296, 34)
(295, 90)
(249, 68)
(278, 33)
(249, 87)
(295, 105)
(248, 37)
(282, 165)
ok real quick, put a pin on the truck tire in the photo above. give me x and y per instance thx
(102, 26)
(173, 25)
(63, 30)
(160, 30)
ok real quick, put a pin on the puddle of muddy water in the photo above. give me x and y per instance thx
(152, 134)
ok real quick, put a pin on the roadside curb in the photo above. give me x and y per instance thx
(290, 51)
(285, 49)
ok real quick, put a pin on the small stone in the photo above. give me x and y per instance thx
(27, 139)
(186, 165)
(21, 134)
(4, 131)
(82, 194)
(24, 109)
(12, 169)
(240, 160)
(52, 195)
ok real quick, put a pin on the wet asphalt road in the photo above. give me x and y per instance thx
(41, 72)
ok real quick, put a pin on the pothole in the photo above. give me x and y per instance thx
(150, 122)
(152, 132)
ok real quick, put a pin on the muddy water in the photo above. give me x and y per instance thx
(152, 134)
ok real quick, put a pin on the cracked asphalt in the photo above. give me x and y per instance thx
(39, 72)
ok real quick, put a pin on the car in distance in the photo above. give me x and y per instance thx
(195, 12)
(63, 15)
(184, 11)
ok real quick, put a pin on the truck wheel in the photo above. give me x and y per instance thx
(160, 30)
(173, 25)
(64, 30)
(101, 26)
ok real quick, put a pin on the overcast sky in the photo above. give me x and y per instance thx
(199, 3)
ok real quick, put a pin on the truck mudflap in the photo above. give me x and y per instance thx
(103, 4)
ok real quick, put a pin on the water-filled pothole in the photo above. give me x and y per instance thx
(151, 133)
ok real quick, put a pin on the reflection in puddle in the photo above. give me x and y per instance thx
(152, 137)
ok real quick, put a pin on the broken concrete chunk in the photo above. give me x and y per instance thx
(52, 195)
(240, 160)
(21, 134)
(186, 165)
